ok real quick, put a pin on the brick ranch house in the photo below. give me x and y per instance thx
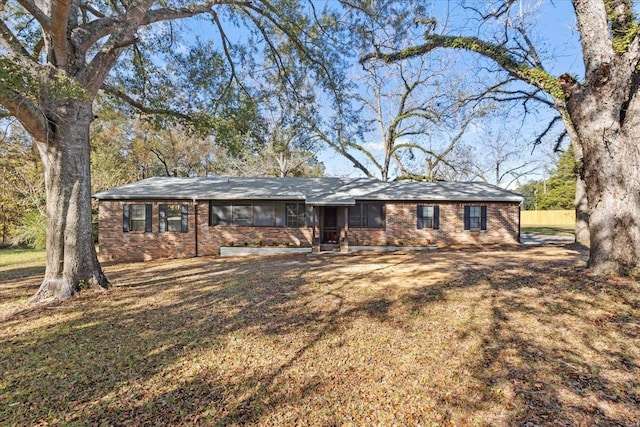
(189, 217)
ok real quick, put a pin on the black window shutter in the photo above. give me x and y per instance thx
(483, 218)
(162, 214)
(420, 218)
(184, 210)
(147, 219)
(125, 218)
(436, 217)
(467, 214)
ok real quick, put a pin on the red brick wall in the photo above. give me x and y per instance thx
(401, 226)
(400, 229)
(115, 245)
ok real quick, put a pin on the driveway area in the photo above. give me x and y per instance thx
(533, 239)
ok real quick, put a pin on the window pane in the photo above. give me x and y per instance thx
(264, 214)
(220, 214)
(242, 215)
(138, 212)
(292, 215)
(138, 217)
(355, 215)
(174, 218)
(374, 215)
(474, 216)
(295, 215)
(427, 216)
(281, 214)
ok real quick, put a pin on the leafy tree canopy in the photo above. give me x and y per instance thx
(557, 192)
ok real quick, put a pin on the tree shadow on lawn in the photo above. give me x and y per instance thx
(73, 363)
(19, 283)
(20, 272)
(278, 341)
(562, 347)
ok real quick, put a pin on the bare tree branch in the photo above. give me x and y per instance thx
(339, 147)
(97, 70)
(88, 34)
(37, 13)
(594, 34)
(531, 49)
(225, 46)
(498, 53)
(59, 25)
(561, 138)
(503, 9)
(160, 157)
(26, 111)
(95, 12)
(274, 51)
(140, 106)
(11, 43)
(546, 131)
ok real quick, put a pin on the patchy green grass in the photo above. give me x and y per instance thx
(17, 264)
(548, 230)
(515, 337)
(16, 259)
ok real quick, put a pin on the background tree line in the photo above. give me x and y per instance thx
(555, 191)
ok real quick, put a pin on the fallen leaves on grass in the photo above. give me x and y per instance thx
(494, 337)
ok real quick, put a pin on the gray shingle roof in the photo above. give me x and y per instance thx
(314, 191)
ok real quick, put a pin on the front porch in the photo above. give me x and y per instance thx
(331, 227)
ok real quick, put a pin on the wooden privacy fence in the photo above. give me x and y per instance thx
(548, 218)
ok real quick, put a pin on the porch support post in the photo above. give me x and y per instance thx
(315, 244)
(344, 232)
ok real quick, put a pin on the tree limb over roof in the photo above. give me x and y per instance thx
(498, 53)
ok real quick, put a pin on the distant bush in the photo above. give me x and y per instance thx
(31, 232)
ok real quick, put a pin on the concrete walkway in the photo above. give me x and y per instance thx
(530, 239)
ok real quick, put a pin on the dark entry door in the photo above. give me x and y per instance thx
(330, 225)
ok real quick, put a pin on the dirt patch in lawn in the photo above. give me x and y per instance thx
(496, 337)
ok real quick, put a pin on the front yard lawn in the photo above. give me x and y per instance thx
(470, 337)
(19, 270)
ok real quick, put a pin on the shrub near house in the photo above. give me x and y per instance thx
(188, 217)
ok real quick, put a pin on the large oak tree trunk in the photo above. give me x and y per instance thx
(582, 232)
(71, 257)
(611, 172)
(614, 200)
(605, 112)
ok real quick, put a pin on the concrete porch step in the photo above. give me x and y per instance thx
(329, 247)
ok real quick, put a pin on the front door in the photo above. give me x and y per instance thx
(330, 232)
